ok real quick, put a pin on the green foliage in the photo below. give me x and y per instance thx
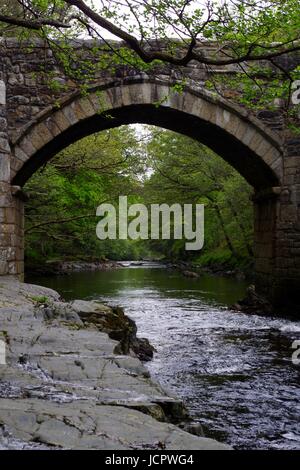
(148, 165)
(61, 212)
(39, 299)
(185, 171)
(243, 33)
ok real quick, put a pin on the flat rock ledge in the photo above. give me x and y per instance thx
(67, 383)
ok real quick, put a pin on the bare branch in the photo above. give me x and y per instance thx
(32, 24)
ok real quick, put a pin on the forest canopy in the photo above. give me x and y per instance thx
(149, 165)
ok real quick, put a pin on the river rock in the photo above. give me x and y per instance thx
(117, 325)
(190, 274)
(64, 387)
(253, 303)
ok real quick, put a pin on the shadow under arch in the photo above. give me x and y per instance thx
(243, 141)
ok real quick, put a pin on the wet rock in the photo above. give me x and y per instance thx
(193, 428)
(114, 322)
(54, 268)
(142, 348)
(253, 303)
(190, 274)
(62, 311)
(64, 387)
(81, 425)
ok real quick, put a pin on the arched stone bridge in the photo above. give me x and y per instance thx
(33, 128)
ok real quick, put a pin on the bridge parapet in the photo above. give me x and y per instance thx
(36, 80)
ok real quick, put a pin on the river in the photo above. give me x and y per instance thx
(233, 371)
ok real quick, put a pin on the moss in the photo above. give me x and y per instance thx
(39, 299)
(5, 335)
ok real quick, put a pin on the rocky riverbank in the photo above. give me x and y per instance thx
(54, 268)
(73, 379)
(194, 270)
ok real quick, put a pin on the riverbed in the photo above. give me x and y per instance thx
(234, 371)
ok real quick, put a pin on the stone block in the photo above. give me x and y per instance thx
(4, 145)
(86, 107)
(2, 93)
(5, 239)
(100, 102)
(16, 240)
(27, 147)
(12, 268)
(16, 165)
(6, 200)
(60, 120)
(70, 115)
(160, 94)
(10, 216)
(197, 106)
(20, 154)
(236, 127)
(20, 267)
(177, 100)
(142, 92)
(52, 127)
(3, 124)
(291, 162)
(114, 96)
(78, 111)
(40, 136)
(3, 268)
(4, 167)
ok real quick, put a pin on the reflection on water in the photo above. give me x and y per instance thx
(234, 371)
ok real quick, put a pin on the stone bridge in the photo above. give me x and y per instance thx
(37, 121)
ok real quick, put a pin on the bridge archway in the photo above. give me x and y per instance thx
(243, 141)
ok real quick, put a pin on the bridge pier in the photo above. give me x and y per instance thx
(11, 206)
(277, 246)
(11, 231)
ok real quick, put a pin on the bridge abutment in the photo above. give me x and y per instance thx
(11, 206)
(277, 246)
(11, 231)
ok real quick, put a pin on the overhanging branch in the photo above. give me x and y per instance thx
(32, 24)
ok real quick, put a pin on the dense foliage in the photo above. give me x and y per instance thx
(149, 165)
(187, 172)
(64, 195)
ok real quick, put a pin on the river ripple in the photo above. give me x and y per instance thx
(234, 371)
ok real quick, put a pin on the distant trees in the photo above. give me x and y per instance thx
(187, 172)
(150, 165)
(63, 196)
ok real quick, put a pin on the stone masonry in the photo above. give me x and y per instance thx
(37, 120)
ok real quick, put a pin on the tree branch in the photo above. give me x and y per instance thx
(32, 24)
(149, 57)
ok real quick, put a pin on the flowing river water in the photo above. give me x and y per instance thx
(234, 371)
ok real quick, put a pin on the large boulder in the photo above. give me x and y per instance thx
(114, 322)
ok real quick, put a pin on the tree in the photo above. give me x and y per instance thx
(63, 196)
(243, 31)
(187, 172)
(253, 36)
(149, 165)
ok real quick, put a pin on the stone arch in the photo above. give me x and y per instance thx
(243, 141)
(249, 146)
